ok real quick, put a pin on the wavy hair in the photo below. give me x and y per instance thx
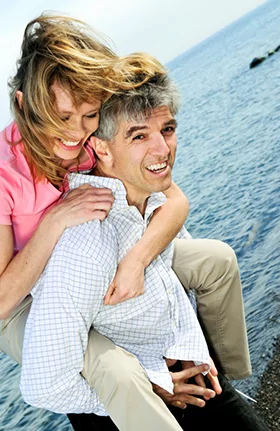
(66, 51)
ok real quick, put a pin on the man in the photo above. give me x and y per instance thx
(135, 148)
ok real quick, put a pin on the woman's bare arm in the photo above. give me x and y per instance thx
(164, 226)
(19, 274)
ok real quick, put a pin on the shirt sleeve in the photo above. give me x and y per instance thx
(184, 234)
(190, 343)
(65, 301)
(6, 203)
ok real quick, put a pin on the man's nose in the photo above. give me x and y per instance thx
(159, 146)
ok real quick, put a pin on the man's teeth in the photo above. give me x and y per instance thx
(157, 167)
(69, 143)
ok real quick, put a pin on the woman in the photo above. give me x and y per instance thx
(47, 140)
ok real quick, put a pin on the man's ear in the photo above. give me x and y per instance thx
(19, 97)
(101, 149)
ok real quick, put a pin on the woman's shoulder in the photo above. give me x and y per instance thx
(9, 136)
(11, 150)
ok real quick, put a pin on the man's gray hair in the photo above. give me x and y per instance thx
(136, 104)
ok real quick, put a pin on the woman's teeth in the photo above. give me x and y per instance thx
(157, 167)
(69, 143)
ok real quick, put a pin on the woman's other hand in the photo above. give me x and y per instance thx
(83, 204)
(128, 281)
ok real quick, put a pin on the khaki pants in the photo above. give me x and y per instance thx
(208, 266)
(123, 388)
(114, 373)
(12, 330)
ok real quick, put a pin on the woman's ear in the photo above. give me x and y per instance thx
(19, 97)
(101, 149)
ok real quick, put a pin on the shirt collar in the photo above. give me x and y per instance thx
(118, 190)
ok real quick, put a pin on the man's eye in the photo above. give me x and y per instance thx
(168, 130)
(138, 137)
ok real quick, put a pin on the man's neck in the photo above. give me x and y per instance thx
(141, 206)
(132, 199)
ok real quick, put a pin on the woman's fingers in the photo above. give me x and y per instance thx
(128, 281)
(83, 204)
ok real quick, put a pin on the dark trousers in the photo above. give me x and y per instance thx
(91, 422)
(225, 411)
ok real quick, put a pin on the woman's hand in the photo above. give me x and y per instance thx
(128, 281)
(83, 204)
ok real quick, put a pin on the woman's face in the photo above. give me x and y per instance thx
(80, 123)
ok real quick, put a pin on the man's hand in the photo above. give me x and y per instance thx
(185, 393)
(213, 378)
(199, 378)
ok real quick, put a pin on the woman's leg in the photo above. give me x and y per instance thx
(210, 267)
(123, 388)
(115, 374)
(12, 330)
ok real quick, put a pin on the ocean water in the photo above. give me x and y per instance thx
(228, 165)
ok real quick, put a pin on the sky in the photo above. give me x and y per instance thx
(164, 28)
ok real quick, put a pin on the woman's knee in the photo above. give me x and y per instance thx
(199, 262)
(117, 376)
(105, 360)
(123, 368)
(220, 253)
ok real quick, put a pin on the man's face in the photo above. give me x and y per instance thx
(143, 155)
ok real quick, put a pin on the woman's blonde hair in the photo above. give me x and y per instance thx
(58, 49)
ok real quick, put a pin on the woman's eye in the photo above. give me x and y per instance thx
(92, 115)
(65, 118)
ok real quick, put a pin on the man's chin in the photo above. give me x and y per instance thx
(164, 185)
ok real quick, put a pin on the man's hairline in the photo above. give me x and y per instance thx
(141, 125)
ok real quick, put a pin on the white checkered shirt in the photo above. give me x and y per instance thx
(68, 300)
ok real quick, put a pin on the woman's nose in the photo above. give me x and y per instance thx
(76, 131)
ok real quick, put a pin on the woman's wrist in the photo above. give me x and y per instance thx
(142, 253)
(51, 227)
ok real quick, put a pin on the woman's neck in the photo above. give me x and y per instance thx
(67, 164)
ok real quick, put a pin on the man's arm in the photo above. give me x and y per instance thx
(64, 305)
(184, 392)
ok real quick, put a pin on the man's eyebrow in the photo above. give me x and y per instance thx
(133, 129)
(171, 122)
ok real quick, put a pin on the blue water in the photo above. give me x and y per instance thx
(228, 166)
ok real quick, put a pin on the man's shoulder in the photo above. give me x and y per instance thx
(94, 240)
